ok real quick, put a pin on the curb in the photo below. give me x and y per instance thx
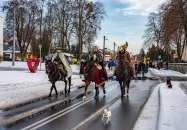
(30, 113)
(149, 116)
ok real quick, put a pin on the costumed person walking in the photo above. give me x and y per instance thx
(97, 58)
(126, 58)
(59, 59)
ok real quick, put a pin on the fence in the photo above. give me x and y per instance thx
(181, 67)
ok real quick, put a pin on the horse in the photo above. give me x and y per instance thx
(89, 75)
(123, 74)
(54, 75)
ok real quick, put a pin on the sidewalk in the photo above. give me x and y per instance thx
(166, 109)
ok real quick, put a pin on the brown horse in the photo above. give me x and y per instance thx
(89, 75)
(123, 75)
(54, 75)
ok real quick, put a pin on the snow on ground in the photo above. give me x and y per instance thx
(165, 109)
(21, 86)
(167, 73)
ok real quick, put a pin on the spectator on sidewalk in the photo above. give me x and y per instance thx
(143, 70)
(166, 65)
(159, 65)
(112, 64)
(81, 72)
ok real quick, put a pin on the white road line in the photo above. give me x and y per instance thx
(63, 113)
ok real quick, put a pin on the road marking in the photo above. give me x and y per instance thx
(63, 112)
(93, 116)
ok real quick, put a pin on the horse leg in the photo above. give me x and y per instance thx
(124, 84)
(97, 92)
(128, 83)
(53, 85)
(65, 81)
(55, 89)
(122, 88)
(69, 79)
(104, 91)
(87, 83)
(50, 91)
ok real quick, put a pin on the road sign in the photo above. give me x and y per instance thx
(159, 57)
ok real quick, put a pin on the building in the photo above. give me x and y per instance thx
(1, 36)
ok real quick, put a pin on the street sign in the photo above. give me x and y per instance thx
(159, 57)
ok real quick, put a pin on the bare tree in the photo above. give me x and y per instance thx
(88, 20)
(174, 33)
(152, 31)
(25, 22)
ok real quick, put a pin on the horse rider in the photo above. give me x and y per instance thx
(62, 64)
(126, 58)
(97, 58)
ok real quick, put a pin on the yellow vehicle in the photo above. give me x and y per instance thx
(74, 60)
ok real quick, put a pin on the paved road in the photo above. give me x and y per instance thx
(68, 115)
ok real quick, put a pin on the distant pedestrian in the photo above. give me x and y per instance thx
(159, 64)
(81, 72)
(112, 64)
(167, 65)
(109, 66)
(143, 69)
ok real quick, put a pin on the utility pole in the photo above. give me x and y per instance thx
(104, 46)
(114, 49)
(40, 47)
(13, 49)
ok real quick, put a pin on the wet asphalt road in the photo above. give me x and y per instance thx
(66, 116)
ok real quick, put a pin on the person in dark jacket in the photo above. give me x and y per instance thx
(81, 72)
(59, 59)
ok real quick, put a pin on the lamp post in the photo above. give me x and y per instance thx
(40, 47)
(114, 49)
(13, 49)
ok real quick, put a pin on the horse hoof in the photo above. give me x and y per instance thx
(49, 96)
(61, 93)
(95, 97)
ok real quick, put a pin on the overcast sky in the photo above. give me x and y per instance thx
(125, 21)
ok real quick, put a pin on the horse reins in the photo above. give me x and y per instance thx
(50, 75)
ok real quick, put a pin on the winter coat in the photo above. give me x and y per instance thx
(64, 61)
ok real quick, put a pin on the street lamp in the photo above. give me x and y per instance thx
(114, 49)
(104, 47)
(40, 47)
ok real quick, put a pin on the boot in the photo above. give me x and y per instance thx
(62, 76)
